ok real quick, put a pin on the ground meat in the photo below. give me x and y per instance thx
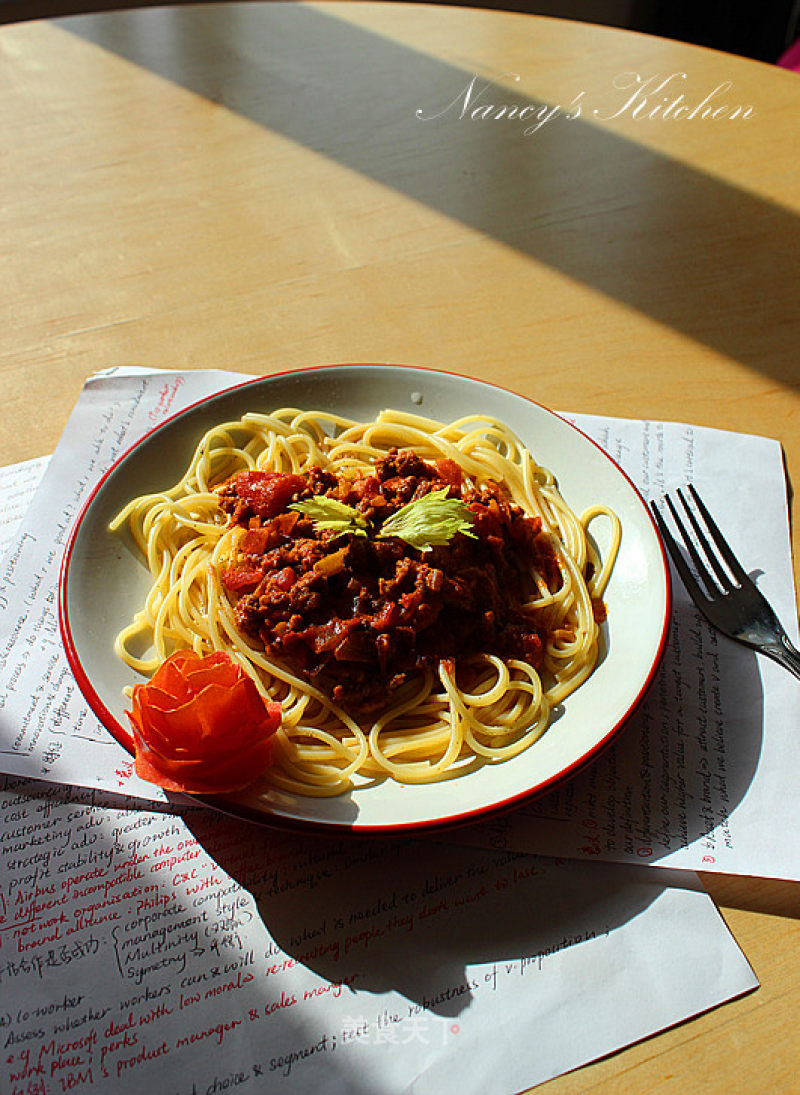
(355, 614)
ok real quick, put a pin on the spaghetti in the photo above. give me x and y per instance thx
(441, 710)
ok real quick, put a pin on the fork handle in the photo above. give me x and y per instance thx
(785, 654)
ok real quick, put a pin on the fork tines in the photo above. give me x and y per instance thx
(731, 602)
(726, 580)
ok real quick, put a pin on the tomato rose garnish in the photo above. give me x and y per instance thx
(201, 725)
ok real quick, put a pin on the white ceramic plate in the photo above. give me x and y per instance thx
(103, 583)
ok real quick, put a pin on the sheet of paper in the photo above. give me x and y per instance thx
(149, 951)
(17, 486)
(702, 776)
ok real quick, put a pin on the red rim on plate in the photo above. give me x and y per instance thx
(96, 561)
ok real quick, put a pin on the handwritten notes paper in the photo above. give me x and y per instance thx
(17, 486)
(188, 954)
(701, 778)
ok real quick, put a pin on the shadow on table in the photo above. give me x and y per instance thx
(765, 896)
(632, 223)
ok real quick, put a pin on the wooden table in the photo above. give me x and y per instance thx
(260, 187)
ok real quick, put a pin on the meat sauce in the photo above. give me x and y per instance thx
(355, 614)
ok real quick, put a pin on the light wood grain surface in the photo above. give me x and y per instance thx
(265, 186)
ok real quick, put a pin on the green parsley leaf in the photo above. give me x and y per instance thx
(432, 520)
(329, 513)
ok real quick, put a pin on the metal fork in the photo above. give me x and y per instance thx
(730, 601)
